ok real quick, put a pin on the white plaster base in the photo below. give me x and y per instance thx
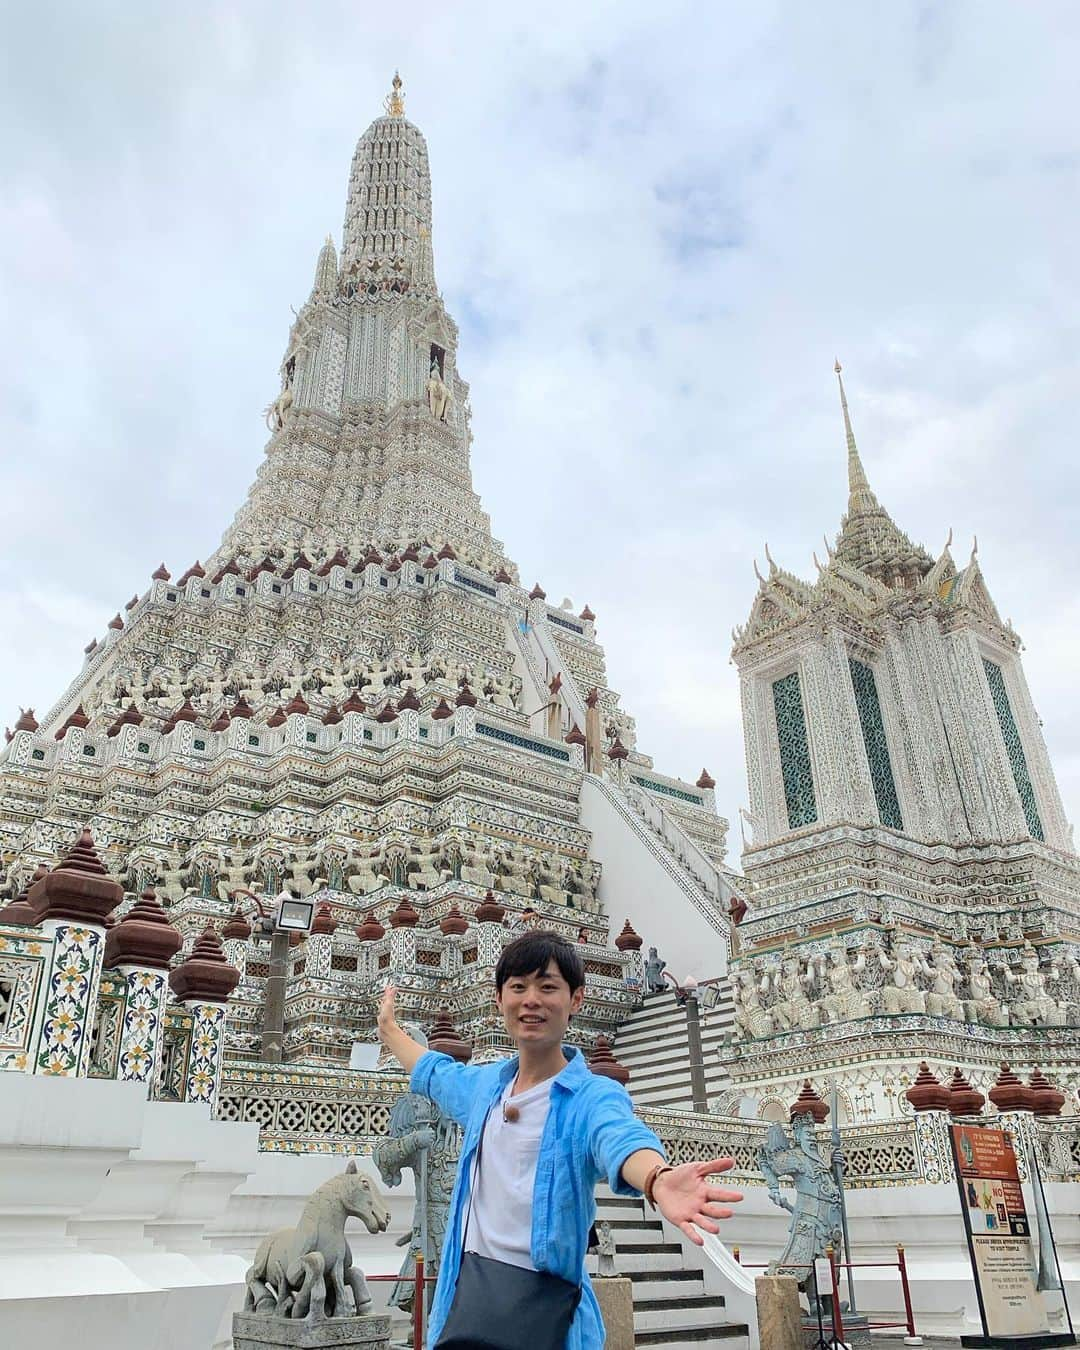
(94, 1182)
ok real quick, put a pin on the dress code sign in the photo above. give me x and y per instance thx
(999, 1233)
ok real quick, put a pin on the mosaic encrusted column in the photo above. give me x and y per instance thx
(71, 905)
(237, 937)
(932, 1145)
(203, 984)
(140, 948)
(319, 943)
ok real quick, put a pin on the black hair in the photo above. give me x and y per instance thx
(530, 954)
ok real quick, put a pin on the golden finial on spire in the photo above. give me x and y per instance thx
(394, 102)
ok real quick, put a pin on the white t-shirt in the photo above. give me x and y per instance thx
(500, 1225)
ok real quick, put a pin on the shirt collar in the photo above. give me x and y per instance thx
(571, 1077)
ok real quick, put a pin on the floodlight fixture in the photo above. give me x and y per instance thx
(292, 915)
(709, 997)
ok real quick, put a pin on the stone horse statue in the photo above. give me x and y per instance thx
(302, 1272)
(815, 1215)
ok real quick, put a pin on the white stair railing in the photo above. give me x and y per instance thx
(703, 900)
(717, 884)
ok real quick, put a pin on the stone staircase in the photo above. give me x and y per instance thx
(671, 1306)
(651, 1043)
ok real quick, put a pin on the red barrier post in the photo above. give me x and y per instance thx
(837, 1320)
(901, 1261)
(418, 1303)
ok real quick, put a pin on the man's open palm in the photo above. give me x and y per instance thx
(687, 1198)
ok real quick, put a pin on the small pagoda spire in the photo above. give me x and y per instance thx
(628, 940)
(370, 929)
(928, 1093)
(808, 1103)
(394, 103)
(326, 269)
(602, 1062)
(860, 498)
(445, 1038)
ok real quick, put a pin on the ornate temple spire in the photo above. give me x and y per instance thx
(869, 538)
(365, 345)
(326, 269)
(860, 497)
(387, 235)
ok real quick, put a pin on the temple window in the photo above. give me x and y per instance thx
(795, 764)
(1013, 747)
(877, 747)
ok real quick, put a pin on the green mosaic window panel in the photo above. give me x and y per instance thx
(537, 747)
(653, 786)
(877, 747)
(794, 752)
(1014, 747)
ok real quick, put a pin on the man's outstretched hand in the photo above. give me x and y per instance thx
(687, 1198)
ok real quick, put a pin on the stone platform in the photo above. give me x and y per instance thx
(254, 1332)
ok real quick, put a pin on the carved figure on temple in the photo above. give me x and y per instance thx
(424, 870)
(1065, 970)
(511, 871)
(815, 1215)
(276, 412)
(983, 1004)
(304, 1271)
(751, 1017)
(942, 999)
(236, 873)
(544, 881)
(301, 872)
(174, 877)
(793, 1010)
(845, 1001)
(654, 973)
(419, 1128)
(901, 993)
(474, 868)
(361, 876)
(438, 392)
(1032, 1004)
(435, 669)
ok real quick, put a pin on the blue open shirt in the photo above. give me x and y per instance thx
(590, 1132)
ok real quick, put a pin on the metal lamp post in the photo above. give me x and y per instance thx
(289, 916)
(693, 1045)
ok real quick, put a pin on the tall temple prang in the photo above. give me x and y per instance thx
(914, 891)
(353, 698)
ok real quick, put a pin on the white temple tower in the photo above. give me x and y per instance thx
(914, 888)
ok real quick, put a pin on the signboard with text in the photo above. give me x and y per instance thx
(999, 1233)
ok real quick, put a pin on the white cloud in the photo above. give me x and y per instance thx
(656, 230)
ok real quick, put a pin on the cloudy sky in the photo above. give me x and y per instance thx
(656, 225)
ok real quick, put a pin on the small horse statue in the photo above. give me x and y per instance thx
(302, 1272)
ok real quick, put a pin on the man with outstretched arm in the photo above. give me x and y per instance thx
(551, 1130)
